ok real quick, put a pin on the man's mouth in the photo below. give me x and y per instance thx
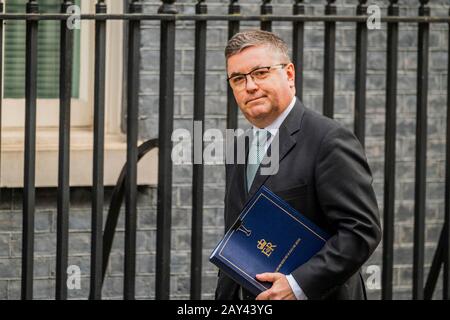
(254, 99)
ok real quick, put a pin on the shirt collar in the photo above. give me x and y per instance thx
(275, 126)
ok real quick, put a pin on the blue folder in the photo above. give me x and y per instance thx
(268, 236)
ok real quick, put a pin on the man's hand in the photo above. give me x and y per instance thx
(280, 290)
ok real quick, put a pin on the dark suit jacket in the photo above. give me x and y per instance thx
(323, 173)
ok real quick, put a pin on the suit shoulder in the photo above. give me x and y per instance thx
(328, 133)
(320, 124)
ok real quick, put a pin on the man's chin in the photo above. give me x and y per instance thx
(259, 110)
(257, 116)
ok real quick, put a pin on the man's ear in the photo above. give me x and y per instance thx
(290, 72)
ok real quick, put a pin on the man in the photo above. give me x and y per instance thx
(323, 173)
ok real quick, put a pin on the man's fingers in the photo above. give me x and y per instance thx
(268, 277)
(263, 295)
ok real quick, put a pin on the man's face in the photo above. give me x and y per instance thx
(262, 101)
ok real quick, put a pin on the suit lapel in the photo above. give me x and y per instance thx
(286, 143)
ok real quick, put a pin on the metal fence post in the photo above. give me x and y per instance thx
(298, 47)
(329, 63)
(266, 9)
(446, 286)
(389, 155)
(99, 156)
(421, 154)
(197, 177)
(361, 74)
(134, 43)
(29, 192)
(166, 105)
(65, 94)
(232, 108)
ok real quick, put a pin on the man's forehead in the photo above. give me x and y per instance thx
(251, 58)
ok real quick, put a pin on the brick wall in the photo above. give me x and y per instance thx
(10, 211)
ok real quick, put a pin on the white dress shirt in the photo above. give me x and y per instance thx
(275, 126)
(273, 129)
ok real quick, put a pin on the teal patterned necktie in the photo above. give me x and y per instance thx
(256, 154)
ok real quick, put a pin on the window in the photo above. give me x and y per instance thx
(48, 53)
(48, 68)
(13, 108)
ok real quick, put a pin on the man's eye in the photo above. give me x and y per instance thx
(238, 79)
(259, 73)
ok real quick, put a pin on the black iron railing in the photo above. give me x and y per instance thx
(127, 186)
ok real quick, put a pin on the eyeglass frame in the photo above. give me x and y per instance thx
(283, 65)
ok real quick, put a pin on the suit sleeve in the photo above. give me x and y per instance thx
(343, 184)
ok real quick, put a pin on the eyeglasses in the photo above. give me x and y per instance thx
(239, 81)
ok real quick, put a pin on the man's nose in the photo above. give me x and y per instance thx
(250, 83)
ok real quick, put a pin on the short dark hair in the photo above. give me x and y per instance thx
(250, 38)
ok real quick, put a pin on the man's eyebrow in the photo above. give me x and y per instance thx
(238, 73)
(235, 74)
